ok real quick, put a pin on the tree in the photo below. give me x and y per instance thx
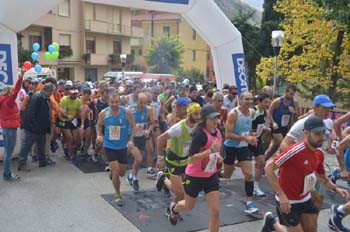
(310, 54)
(24, 55)
(194, 75)
(166, 55)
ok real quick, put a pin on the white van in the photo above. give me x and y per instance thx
(118, 76)
(45, 72)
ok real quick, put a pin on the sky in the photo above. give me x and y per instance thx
(257, 4)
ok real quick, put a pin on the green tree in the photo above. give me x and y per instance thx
(194, 75)
(166, 55)
(24, 55)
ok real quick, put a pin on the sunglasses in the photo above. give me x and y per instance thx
(234, 93)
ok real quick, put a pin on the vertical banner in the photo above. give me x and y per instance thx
(241, 76)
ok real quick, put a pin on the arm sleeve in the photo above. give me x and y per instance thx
(175, 131)
(199, 140)
(15, 91)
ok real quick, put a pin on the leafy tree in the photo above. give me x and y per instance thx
(194, 75)
(311, 54)
(24, 55)
(166, 55)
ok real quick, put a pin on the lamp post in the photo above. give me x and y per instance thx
(123, 62)
(277, 40)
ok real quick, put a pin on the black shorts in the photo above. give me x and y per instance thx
(67, 125)
(116, 155)
(258, 150)
(194, 185)
(175, 170)
(140, 143)
(233, 153)
(88, 123)
(293, 218)
(281, 130)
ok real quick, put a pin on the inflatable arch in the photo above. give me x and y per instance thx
(203, 15)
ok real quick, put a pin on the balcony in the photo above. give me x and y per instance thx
(107, 28)
(137, 32)
(95, 59)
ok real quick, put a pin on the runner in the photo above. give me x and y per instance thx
(294, 206)
(259, 126)
(116, 121)
(176, 157)
(282, 110)
(143, 116)
(201, 171)
(238, 137)
(231, 100)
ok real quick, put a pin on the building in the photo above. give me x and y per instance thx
(96, 34)
(158, 24)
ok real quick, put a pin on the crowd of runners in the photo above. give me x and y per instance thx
(189, 139)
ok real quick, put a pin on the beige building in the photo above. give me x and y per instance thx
(96, 34)
(158, 24)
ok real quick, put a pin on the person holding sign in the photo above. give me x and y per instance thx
(176, 158)
(201, 171)
(294, 205)
(116, 141)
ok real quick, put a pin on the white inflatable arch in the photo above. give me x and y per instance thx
(203, 15)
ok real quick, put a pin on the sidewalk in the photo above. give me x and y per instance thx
(62, 198)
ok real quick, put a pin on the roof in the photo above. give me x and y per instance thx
(158, 16)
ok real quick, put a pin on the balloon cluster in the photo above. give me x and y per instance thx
(52, 54)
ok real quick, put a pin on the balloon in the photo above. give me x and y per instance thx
(36, 47)
(38, 68)
(57, 46)
(51, 48)
(27, 65)
(55, 55)
(48, 56)
(35, 55)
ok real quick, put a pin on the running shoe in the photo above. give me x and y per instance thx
(129, 178)
(135, 185)
(151, 173)
(23, 168)
(107, 168)
(160, 180)
(50, 162)
(35, 158)
(118, 200)
(335, 222)
(94, 158)
(268, 222)
(74, 160)
(258, 192)
(173, 216)
(167, 213)
(12, 178)
(251, 208)
(54, 146)
(335, 175)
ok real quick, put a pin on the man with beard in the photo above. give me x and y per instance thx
(295, 209)
(179, 136)
(68, 122)
(116, 121)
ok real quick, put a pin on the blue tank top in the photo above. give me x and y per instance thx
(242, 127)
(282, 115)
(116, 130)
(141, 120)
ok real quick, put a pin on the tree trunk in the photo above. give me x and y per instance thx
(335, 63)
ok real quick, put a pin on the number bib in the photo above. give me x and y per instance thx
(243, 143)
(259, 130)
(213, 159)
(186, 148)
(140, 129)
(309, 183)
(285, 120)
(114, 133)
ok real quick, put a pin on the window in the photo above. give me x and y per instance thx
(166, 31)
(65, 40)
(140, 52)
(91, 74)
(90, 45)
(194, 34)
(35, 37)
(132, 52)
(193, 55)
(64, 8)
(117, 47)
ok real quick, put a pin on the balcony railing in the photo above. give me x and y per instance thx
(107, 28)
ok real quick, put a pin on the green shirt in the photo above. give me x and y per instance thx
(71, 107)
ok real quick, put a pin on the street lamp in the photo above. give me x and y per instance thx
(123, 61)
(277, 39)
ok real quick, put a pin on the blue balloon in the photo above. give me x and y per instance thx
(38, 68)
(51, 48)
(36, 47)
(35, 56)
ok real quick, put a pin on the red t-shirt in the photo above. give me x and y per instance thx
(295, 163)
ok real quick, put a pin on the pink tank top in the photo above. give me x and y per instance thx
(200, 168)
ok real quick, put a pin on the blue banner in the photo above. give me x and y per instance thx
(185, 2)
(241, 76)
(5, 65)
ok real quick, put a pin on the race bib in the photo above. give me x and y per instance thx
(260, 129)
(213, 158)
(309, 183)
(140, 128)
(285, 120)
(186, 148)
(243, 143)
(114, 133)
